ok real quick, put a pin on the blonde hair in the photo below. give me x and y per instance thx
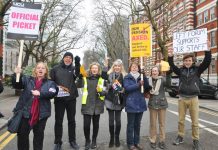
(120, 63)
(46, 68)
(96, 64)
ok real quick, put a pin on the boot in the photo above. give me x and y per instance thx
(87, 145)
(94, 144)
(117, 134)
(111, 143)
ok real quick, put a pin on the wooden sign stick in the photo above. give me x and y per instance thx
(20, 59)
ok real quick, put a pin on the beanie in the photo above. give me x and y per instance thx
(68, 54)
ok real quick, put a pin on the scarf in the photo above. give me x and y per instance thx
(155, 87)
(135, 75)
(35, 105)
(113, 76)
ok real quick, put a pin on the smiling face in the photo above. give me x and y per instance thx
(40, 70)
(117, 68)
(188, 62)
(154, 72)
(68, 60)
(134, 68)
(94, 69)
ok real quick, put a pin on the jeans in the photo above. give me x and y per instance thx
(86, 125)
(114, 115)
(24, 131)
(60, 105)
(133, 128)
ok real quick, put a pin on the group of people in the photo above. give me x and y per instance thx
(112, 88)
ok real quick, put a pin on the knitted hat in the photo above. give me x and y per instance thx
(68, 54)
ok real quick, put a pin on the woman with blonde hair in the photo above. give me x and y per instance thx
(114, 100)
(35, 105)
(92, 103)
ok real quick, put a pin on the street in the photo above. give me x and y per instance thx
(208, 129)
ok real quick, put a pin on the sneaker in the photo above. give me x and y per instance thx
(57, 147)
(138, 146)
(162, 145)
(153, 145)
(132, 147)
(196, 145)
(179, 140)
(74, 145)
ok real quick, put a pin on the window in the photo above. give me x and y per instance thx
(206, 18)
(212, 39)
(212, 13)
(200, 20)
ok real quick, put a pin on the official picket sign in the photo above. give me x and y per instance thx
(140, 40)
(24, 21)
(190, 41)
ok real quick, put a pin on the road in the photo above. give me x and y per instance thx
(208, 133)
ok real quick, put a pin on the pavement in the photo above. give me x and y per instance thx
(9, 99)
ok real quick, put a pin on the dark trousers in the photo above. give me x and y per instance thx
(114, 121)
(133, 128)
(24, 131)
(60, 105)
(86, 126)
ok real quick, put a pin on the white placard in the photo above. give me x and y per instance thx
(190, 41)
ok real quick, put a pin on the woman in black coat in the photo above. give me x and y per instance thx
(35, 105)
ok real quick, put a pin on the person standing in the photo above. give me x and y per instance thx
(35, 105)
(114, 100)
(64, 75)
(189, 77)
(135, 105)
(157, 105)
(94, 91)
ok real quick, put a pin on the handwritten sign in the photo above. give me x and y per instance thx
(140, 40)
(24, 20)
(190, 41)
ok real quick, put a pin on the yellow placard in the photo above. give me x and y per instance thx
(83, 71)
(164, 66)
(140, 40)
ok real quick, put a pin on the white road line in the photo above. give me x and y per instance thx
(209, 122)
(200, 125)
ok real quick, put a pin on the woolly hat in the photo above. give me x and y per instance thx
(68, 54)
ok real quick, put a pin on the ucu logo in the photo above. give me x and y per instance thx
(18, 4)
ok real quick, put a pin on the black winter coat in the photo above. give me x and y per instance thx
(48, 90)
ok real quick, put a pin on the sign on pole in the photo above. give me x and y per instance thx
(190, 41)
(140, 40)
(24, 20)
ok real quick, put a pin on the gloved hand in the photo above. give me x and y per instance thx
(77, 60)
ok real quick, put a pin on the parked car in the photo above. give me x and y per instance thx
(206, 88)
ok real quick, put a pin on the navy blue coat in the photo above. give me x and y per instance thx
(135, 100)
(48, 90)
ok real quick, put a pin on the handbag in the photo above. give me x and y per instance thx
(14, 122)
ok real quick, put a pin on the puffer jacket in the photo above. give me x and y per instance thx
(158, 101)
(48, 91)
(189, 77)
(135, 101)
(94, 105)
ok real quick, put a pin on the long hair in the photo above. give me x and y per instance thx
(92, 64)
(46, 67)
(120, 63)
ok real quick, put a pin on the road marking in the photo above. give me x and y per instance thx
(6, 141)
(4, 135)
(209, 122)
(200, 125)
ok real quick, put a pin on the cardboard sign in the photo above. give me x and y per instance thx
(164, 66)
(190, 41)
(24, 20)
(140, 40)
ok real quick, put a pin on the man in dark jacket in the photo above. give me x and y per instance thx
(64, 76)
(189, 76)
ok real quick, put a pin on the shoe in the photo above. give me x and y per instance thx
(196, 145)
(179, 140)
(117, 141)
(74, 145)
(111, 143)
(57, 147)
(87, 145)
(93, 145)
(153, 145)
(162, 145)
(132, 147)
(139, 147)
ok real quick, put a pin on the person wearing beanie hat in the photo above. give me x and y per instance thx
(65, 74)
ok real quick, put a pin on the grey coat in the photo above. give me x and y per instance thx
(158, 101)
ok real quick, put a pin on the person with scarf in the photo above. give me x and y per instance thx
(114, 100)
(35, 105)
(94, 90)
(157, 107)
(135, 105)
